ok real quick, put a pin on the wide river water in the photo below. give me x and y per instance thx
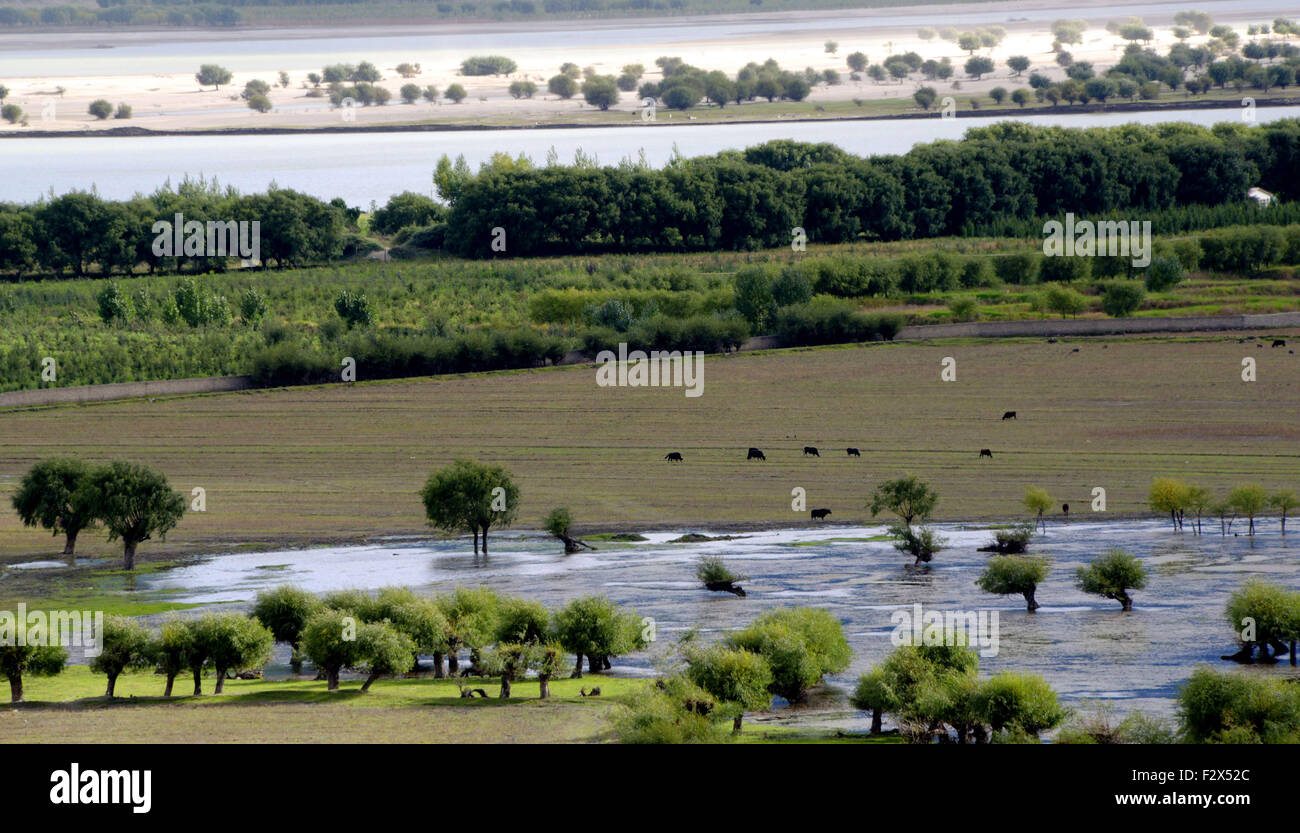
(361, 167)
(1085, 646)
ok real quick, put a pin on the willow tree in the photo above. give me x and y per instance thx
(471, 497)
(1112, 576)
(50, 495)
(134, 502)
(1038, 501)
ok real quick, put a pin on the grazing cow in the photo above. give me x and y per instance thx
(1051, 341)
(1279, 342)
(820, 514)
(673, 457)
(1075, 350)
(1009, 415)
(853, 452)
(755, 454)
(984, 452)
(595, 692)
(1065, 509)
(810, 450)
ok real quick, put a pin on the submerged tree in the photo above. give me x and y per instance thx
(1112, 575)
(738, 679)
(1014, 574)
(716, 576)
(559, 523)
(1038, 501)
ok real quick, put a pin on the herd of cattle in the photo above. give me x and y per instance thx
(811, 451)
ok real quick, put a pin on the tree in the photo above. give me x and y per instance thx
(418, 618)
(739, 678)
(832, 47)
(1112, 576)
(36, 660)
(100, 108)
(1285, 500)
(925, 96)
(1217, 707)
(1264, 615)
(471, 616)
(50, 495)
(1249, 500)
(1018, 64)
(595, 627)
(521, 625)
(384, 651)
(284, 611)
(1163, 273)
(875, 694)
(410, 93)
(801, 645)
(123, 644)
(232, 642)
(11, 113)
(134, 503)
(563, 86)
(998, 94)
(681, 96)
(1063, 300)
(212, 74)
(1019, 96)
(1169, 494)
(260, 103)
(978, 66)
(171, 650)
(857, 61)
(455, 93)
(600, 91)
(329, 639)
(910, 498)
(1038, 501)
(559, 522)
(969, 42)
(468, 496)
(1011, 574)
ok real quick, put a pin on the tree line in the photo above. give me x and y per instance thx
(754, 199)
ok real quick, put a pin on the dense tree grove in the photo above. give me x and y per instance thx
(80, 232)
(753, 199)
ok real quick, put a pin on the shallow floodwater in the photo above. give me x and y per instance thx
(1085, 646)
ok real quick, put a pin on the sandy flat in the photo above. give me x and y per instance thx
(174, 101)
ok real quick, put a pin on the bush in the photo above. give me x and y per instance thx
(920, 543)
(800, 644)
(1020, 268)
(1014, 540)
(1163, 273)
(1228, 707)
(826, 322)
(487, 65)
(672, 711)
(100, 108)
(1019, 703)
(354, 309)
(1120, 299)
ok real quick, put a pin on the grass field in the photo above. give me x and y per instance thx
(290, 467)
(71, 708)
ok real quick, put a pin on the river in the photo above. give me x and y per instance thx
(1086, 647)
(365, 167)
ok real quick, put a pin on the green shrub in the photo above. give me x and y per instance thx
(800, 644)
(1228, 707)
(1120, 299)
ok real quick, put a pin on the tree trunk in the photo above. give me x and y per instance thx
(71, 544)
(453, 663)
(485, 529)
(221, 680)
(295, 660)
(606, 663)
(128, 555)
(167, 692)
(198, 681)
(15, 688)
(1125, 601)
(1030, 603)
(332, 679)
(476, 540)
(875, 721)
(112, 683)
(544, 683)
(1293, 652)
(735, 724)
(437, 666)
(505, 685)
(577, 669)
(594, 664)
(366, 685)
(474, 668)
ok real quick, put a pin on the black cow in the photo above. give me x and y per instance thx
(810, 450)
(1009, 415)
(1065, 509)
(1279, 342)
(984, 452)
(673, 457)
(755, 454)
(853, 452)
(820, 514)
